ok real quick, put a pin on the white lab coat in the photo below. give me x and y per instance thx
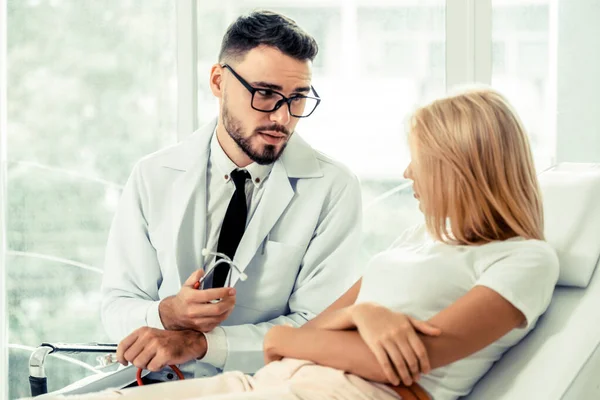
(299, 250)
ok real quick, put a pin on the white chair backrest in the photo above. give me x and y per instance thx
(548, 362)
(571, 198)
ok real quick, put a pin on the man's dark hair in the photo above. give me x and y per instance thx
(267, 28)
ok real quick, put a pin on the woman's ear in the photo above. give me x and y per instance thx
(216, 80)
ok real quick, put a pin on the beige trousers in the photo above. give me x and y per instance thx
(288, 379)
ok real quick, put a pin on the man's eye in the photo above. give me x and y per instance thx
(265, 92)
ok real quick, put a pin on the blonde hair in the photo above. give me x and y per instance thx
(475, 170)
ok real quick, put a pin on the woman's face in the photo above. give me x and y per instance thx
(410, 172)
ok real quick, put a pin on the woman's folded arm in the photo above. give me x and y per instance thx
(476, 320)
(343, 350)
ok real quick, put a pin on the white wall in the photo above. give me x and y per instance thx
(578, 81)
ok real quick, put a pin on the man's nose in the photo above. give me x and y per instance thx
(281, 115)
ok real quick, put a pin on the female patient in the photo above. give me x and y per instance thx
(478, 272)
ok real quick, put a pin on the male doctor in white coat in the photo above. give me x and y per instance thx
(246, 185)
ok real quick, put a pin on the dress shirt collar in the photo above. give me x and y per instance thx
(258, 173)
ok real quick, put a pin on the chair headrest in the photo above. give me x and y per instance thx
(571, 198)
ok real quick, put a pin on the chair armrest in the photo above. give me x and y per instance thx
(38, 357)
(37, 372)
(74, 348)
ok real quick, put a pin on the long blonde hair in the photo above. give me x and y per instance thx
(475, 170)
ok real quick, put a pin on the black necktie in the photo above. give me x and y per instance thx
(234, 225)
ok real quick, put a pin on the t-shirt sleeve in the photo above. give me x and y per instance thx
(525, 276)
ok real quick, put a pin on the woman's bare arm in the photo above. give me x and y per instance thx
(336, 316)
(344, 350)
(476, 320)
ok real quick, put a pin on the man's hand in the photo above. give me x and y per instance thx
(154, 349)
(191, 308)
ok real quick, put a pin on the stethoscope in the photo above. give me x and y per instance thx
(225, 259)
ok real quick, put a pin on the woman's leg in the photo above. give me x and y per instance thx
(230, 382)
(288, 379)
(304, 380)
(281, 392)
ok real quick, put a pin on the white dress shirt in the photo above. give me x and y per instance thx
(220, 190)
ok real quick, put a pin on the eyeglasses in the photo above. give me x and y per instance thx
(268, 100)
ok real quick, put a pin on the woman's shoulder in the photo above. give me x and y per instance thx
(521, 253)
(524, 272)
(519, 245)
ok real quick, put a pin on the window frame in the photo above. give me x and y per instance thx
(468, 42)
(3, 206)
(187, 59)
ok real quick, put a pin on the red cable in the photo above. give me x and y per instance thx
(138, 376)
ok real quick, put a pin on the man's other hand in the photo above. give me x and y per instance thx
(154, 349)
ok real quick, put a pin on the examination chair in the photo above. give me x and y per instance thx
(558, 360)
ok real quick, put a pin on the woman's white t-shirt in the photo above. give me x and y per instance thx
(420, 277)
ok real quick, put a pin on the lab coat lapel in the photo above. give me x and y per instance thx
(188, 205)
(273, 203)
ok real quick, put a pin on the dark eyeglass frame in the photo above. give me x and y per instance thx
(287, 100)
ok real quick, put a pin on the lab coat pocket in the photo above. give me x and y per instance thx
(278, 251)
(272, 275)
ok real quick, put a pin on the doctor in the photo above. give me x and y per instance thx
(246, 185)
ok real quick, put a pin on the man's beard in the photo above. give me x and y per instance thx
(268, 155)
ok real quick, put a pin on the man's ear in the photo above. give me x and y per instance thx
(216, 80)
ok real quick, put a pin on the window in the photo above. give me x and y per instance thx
(91, 89)
(521, 69)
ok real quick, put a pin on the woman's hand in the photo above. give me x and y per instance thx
(271, 342)
(393, 338)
